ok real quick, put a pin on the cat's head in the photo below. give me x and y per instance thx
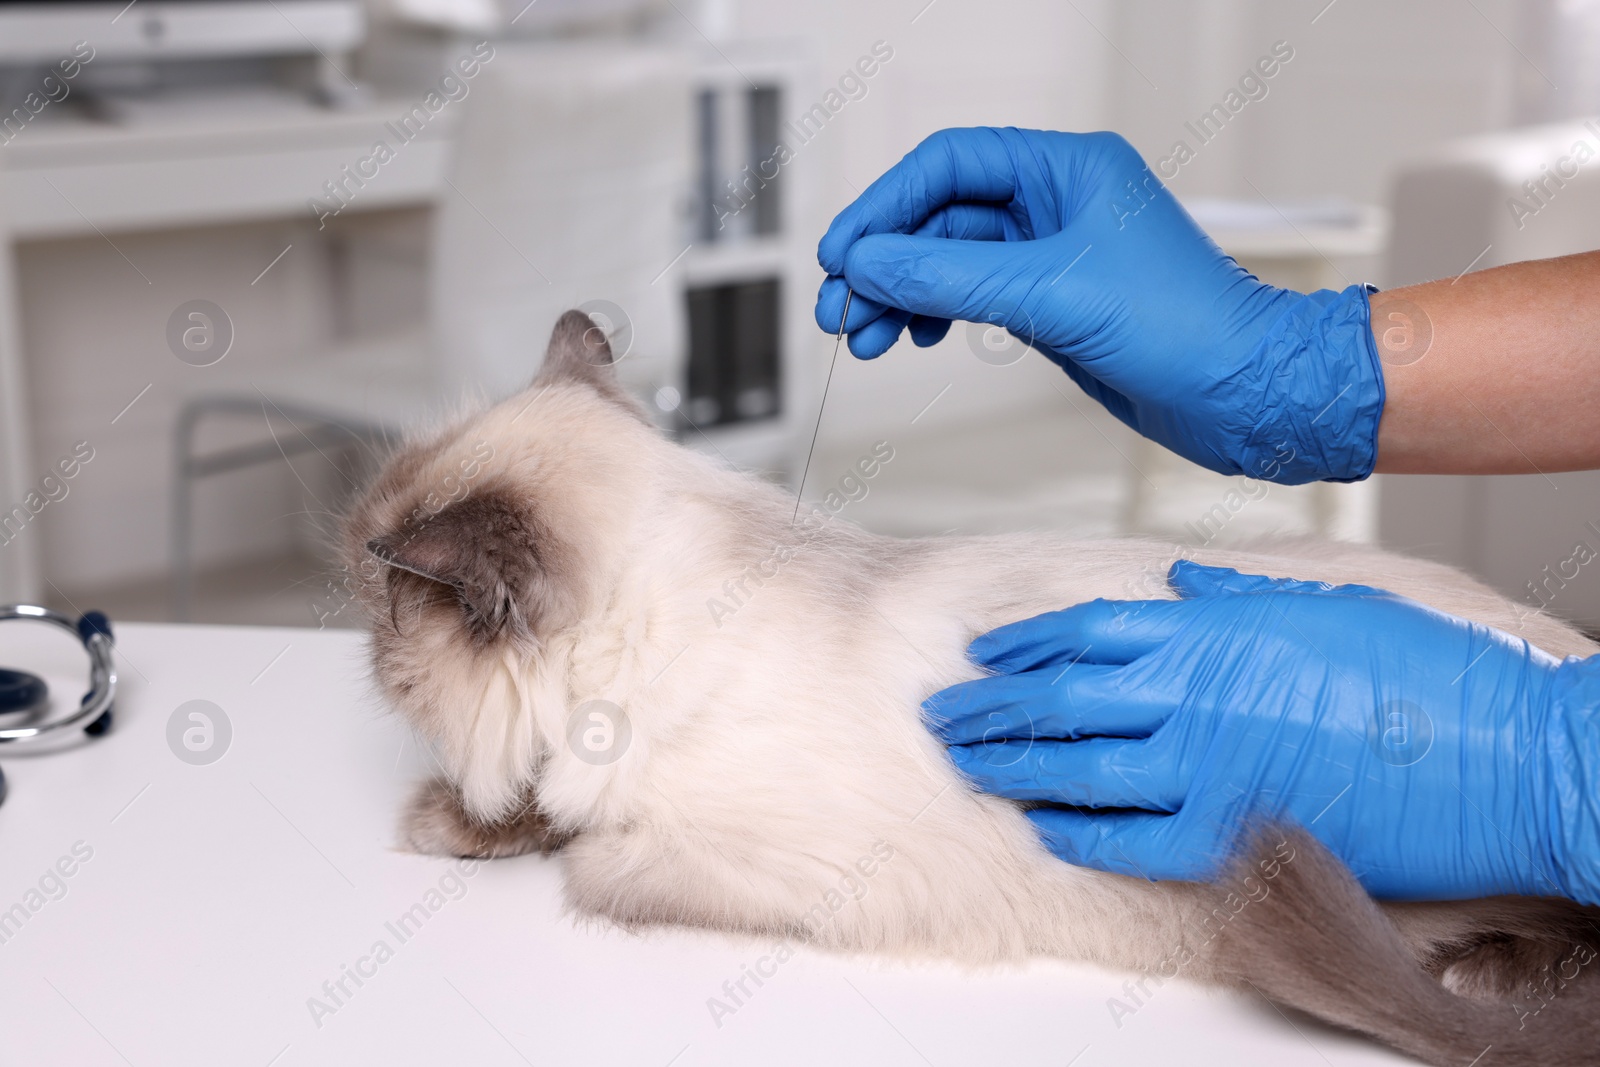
(476, 548)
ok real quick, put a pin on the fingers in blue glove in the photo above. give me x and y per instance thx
(948, 166)
(973, 222)
(872, 328)
(1138, 844)
(1101, 631)
(1080, 700)
(879, 335)
(1100, 772)
(1189, 579)
(961, 222)
(830, 305)
(927, 331)
(950, 279)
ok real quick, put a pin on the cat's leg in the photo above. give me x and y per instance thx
(980, 899)
(437, 824)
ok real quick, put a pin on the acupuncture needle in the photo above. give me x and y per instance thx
(849, 294)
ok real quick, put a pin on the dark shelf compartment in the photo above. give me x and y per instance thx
(734, 342)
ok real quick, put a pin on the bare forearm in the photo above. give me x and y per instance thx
(1496, 372)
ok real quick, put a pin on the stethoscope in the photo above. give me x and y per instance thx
(25, 693)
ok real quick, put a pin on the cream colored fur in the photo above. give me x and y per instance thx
(770, 754)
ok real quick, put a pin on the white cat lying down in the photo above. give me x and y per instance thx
(766, 757)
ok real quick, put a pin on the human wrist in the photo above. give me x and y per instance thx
(1571, 747)
(1322, 393)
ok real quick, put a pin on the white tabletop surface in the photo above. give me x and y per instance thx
(219, 898)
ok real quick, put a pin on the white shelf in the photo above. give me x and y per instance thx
(78, 176)
(743, 259)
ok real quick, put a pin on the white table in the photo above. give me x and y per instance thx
(219, 898)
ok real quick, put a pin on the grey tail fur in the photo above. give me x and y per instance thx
(1302, 932)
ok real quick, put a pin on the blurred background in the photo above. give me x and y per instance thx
(244, 243)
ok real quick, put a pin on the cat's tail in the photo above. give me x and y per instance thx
(1292, 923)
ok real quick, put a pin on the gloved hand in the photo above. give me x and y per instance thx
(1072, 244)
(1438, 758)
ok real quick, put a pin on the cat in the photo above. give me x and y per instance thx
(622, 650)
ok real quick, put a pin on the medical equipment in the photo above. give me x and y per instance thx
(837, 341)
(24, 693)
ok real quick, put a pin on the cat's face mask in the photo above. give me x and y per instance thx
(491, 537)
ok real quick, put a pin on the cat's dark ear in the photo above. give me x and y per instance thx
(484, 549)
(579, 351)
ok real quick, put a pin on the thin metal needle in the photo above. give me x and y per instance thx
(849, 294)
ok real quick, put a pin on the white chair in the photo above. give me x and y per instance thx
(568, 187)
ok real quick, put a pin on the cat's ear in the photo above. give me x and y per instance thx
(484, 549)
(579, 351)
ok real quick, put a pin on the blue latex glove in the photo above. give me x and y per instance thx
(1072, 244)
(1438, 758)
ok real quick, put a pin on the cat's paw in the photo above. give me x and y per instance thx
(436, 824)
(1518, 969)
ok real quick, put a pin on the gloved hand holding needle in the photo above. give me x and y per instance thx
(1070, 243)
(1158, 730)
